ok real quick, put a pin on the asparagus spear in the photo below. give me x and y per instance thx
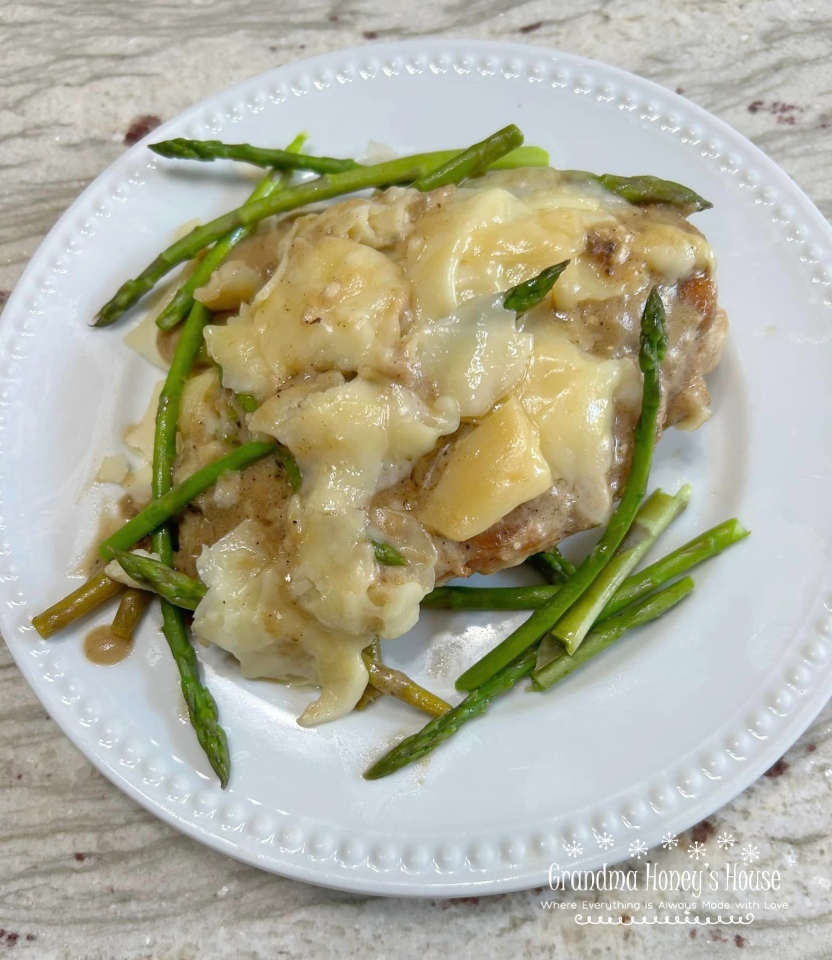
(684, 558)
(611, 629)
(175, 587)
(130, 611)
(527, 295)
(290, 465)
(178, 497)
(396, 684)
(401, 170)
(489, 598)
(87, 597)
(473, 161)
(386, 555)
(654, 516)
(652, 350)
(202, 708)
(479, 699)
(183, 300)
(373, 654)
(645, 189)
(555, 567)
(182, 149)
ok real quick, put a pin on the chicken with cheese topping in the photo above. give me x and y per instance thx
(421, 412)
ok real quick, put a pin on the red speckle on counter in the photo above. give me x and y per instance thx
(530, 27)
(777, 770)
(31, 937)
(702, 831)
(810, 748)
(626, 918)
(19, 776)
(717, 937)
(692, 934)
(80, 857)
(680, 91)
(370, 35)
(4, 296)
(738, 940)
(9, 938)
(784, 113)
(140, 127)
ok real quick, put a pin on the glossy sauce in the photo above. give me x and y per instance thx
(101, 646)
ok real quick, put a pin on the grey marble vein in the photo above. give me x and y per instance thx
(84, 872)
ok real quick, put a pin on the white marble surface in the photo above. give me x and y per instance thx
(84, 872)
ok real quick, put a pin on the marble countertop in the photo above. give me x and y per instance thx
(84, 872)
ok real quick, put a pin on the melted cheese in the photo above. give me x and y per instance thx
(248, 611)
(483, 242)
(673, 254)
(492, 470)
(326, 586)
(333, 305)
(570, 396)
(475, 356)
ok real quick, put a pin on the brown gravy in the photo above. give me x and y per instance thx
(103, 647)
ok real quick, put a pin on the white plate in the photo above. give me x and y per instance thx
(650, 738)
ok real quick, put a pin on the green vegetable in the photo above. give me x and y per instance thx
(401, 170)
(478, 700)
(555, 567)
(685, 558)
(130, 611)
(652, 350)
(247, 402)
(175, 587)
(489, 598)
(529, 294)
(645, 189)
(646, 609)
(373, 654)
(182, 149)
(387, 555)
(396, 684)
(290, 465)
(183, 300)
(178, 497)
(202, 708)
(654, 516)
(87, 597)
(473, 161)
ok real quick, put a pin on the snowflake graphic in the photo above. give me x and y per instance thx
(697, 850)
(638, 849)
(670, 840)
(750, 853)
(604, 840)
(573, 849)
(725, 840)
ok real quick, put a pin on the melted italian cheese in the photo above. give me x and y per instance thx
(571, 397)
(334, 305)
